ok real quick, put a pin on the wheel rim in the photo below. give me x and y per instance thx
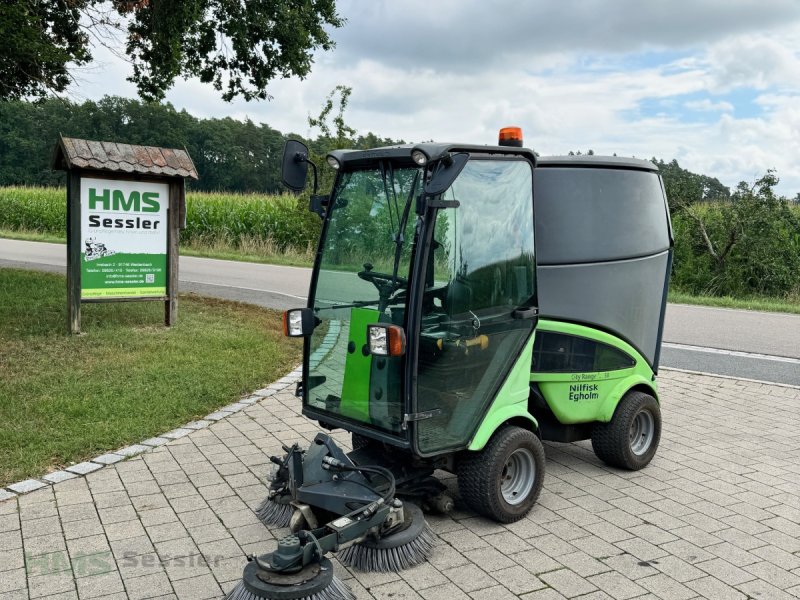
(518, 476)
(642, 432)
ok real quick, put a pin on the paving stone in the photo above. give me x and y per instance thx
(176, 434)
(617, 585)
(665, 587)
(84, 468)
(44, 544)
(133, 450)
(131, 546)
(395, 590)
(197, 588)
(567, 583)
(28, 485)
(108, 459)
(470, 577)
(96, 586)
(147, 586)
(711, 588)
(440, 592)
(56, 477)
(217, 416)
(518, 580)
(154, 442)
(690, 525)
(36, 527)
(50, 585)
(6, 495)
(11, 559)
(83, 528)
(583, 564)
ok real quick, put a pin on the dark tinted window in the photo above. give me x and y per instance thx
(561, 353)
(596, 214)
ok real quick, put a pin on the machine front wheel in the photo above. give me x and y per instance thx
(503, 480)
(630, 439)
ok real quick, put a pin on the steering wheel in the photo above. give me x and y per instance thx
(381, 280)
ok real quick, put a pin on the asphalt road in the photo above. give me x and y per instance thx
(748, 344)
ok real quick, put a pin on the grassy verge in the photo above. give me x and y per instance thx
(65, 398)
(255, 251)
(32, 236)
(762, 304)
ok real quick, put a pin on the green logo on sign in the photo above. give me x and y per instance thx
(116, 200)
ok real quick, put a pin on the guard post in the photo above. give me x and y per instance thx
(126, 205)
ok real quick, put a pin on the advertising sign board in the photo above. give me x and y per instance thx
(123, 238)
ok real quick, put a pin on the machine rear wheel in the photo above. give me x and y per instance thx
(630, 439)
(503, 480)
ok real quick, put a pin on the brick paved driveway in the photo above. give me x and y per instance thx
(716, 515)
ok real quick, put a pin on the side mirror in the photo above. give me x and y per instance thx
(298, 322)
(445, 172)
(294, 170)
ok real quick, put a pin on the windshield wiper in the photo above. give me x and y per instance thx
(399, 238)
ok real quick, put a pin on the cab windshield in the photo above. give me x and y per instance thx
(362, 278)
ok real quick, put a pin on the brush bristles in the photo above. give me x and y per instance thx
(274, 513)
(389, 560)
(336, 590)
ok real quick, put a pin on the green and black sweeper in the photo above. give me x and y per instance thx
(466, 303)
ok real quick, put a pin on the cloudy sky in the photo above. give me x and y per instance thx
(713, 83)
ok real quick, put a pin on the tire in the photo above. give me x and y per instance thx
(503, 481)
(630, 439)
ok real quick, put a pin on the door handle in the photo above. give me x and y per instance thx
(526, 313)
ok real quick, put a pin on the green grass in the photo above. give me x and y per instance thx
(64, 398)
(787, 305)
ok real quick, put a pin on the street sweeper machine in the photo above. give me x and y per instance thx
(466, 303)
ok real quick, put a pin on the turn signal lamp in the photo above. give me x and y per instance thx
(298, 322)
(386, 340)
(510, 136)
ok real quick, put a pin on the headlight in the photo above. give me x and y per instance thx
(298, 322)
(386, 340)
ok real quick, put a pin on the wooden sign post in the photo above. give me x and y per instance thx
(125, 208)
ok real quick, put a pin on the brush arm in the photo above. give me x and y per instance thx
(308, 546)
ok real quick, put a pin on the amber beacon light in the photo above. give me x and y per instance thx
(510, 136)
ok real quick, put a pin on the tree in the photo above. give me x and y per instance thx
(684, 188)
(238, 46)
(747, 246)
(39, 39)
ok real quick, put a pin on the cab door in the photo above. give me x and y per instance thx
(475, 316)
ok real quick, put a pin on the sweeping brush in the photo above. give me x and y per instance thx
(275, 512)
(314, 582)
(401, 550)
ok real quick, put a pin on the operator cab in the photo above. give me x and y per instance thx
(423, 291)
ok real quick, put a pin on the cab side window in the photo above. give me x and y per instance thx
(561, 353)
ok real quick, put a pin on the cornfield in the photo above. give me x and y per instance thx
(211, 218)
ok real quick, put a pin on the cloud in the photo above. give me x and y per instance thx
(639, 79)
(751, 61)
